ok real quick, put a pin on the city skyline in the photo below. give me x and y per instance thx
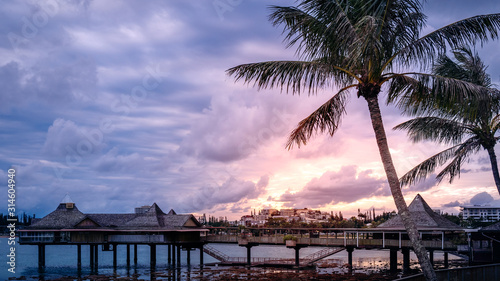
(122, 104)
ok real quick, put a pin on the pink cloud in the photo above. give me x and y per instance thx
(346, 185)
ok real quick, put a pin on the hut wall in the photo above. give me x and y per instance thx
(188, 236)
(87, 237)
(136, 238)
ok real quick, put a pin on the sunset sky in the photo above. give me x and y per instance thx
(124, 103)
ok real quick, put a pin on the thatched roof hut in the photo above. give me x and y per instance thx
(67, 216)
(424, 217)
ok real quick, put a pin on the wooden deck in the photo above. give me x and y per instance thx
(335, 242)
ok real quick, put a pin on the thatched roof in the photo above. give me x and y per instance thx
(153, 219)
(62, 217)
(424, 217)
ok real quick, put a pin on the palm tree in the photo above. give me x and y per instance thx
(359, 46)
(465, 132)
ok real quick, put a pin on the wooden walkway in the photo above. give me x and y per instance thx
(336, 242)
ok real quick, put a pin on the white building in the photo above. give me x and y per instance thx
(484, 213)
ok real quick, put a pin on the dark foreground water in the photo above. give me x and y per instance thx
(61, 261)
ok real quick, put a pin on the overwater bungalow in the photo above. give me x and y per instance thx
(147, 225)
(437, 232)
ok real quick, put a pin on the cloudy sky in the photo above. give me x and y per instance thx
(125, 103)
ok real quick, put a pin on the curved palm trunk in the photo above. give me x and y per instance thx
(392, 177)
(494, 166)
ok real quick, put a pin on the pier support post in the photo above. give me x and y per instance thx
(243, 242)
(41, 257)
(169, 254)
(135, 254)
(249, 255)
(173, 254)
(179, 256)
(297, 256)
(446, 263)
(406, 260)
(115, 262)
(79, 257)
(152, 258)
(91, 254)
(201, 256)
(188, 256)
(128, 255)
(349, 257)
(96, 257)
(393, 260)
(431, 256)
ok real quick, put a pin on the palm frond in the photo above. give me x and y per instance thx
(318, 28)
(293, 76)
(495, 123)
(462, 154)
(420, 93)
(326, 118)
(428, 166)
(434, 129)
(426, 49)
(467, 67)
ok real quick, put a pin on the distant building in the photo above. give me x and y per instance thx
(246, 220)
(483, 213)
(269, 212)
(287, 212)
(290, 215)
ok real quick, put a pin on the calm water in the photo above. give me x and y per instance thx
(62, 260)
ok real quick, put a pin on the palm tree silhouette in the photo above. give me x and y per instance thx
(467, 133)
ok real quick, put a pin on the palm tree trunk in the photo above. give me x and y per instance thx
(394, 185)
(494, 166)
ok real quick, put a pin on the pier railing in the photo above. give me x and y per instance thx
(312, 258)
(341, 242)
(216, 253)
